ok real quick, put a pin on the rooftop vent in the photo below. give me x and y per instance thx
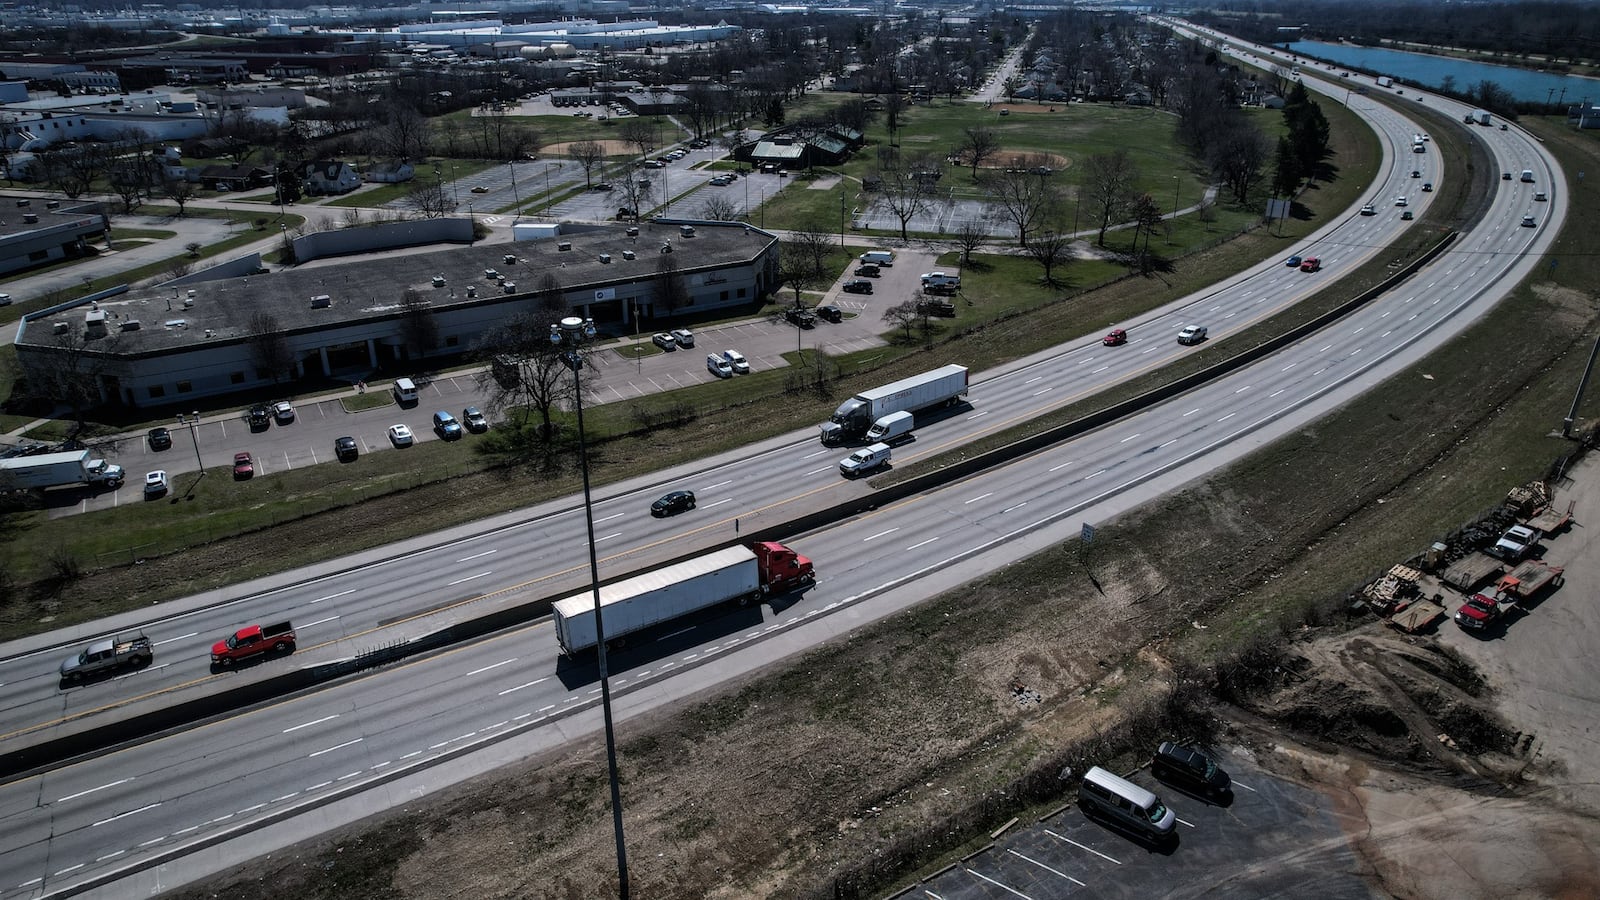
(320, 301)
(564, 245)
(30, 218)
(130, 325)
(174, 323)
(627, 254)
(61, 327)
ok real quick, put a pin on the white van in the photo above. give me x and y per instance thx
(718, 366)
(1125, 803)
(878, 258)
(1527, 175)
(405, 391)
(864, 460)
(890, 427)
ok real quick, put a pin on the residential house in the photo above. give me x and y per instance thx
(235, 178)
(329, 176)
(394, 171)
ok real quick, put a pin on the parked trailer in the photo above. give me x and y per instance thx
(634, 604)
(1551, 519)
(49, 470)
(1385, 81)
(851, 420)
(1527, 581)
(1472, 570)
(1418, 616)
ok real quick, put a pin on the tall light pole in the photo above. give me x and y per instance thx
(841, 218)
(1171, 220)
(572, 334)
(193, 420)
(515, 200)
(547, 168)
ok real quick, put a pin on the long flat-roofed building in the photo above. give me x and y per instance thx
(164, 345)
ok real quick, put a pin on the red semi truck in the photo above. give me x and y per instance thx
(253, 640)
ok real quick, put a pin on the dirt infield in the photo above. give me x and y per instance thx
(612, 148)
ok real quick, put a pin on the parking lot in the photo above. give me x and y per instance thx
(1275, 838)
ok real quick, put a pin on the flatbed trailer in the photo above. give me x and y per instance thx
(1550, 519)
(1527, 580)
(1417, 616)
(1472, 570)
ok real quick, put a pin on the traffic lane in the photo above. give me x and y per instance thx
(1271, 838)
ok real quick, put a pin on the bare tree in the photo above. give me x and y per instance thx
(1051, 249)
(722, 208)
(1108, 184)
(971, 234)
(979, 145)
(74, 374)
(269, 349)
(1239, 158)
(810, 247)
(906, 196)
(639, 132)
(587, 154)
(430, 199)
(635, 191)
(670, 291)
(418, 327)
(1022, 197)
(906, 315)
(179, 190)
(404, 133)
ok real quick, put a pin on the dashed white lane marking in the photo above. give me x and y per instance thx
(151, 842)
(477, 556)
(609, 518)
(503, 662)
(977, 498)
(521, 686)
(93, 789)
(131, 812)
(878, 535)
(251, 809)
(321, 621)
(334, 596)
(346, 776)
(289, 796)
(614, 534)
(815, 471)
(336, 747)
(718, 503)
(1014, 508)
(318, 786)
(182, 831)
(1130, 437)
(923, 544)
(311, 723)
(411, 754)
(466, 579)
(73, 868)
(717, 485)
(178, 638)
(1046, 868)
(108, 856)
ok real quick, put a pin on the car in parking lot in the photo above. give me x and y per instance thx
(868, 271)
(857, 286)
(475, 420)
(736, 360)
(653, 164)
(1192, 334)
(627, 212)
(159, 438)
(345, 449)
(720, 181)
(827, 312)
(936, 306)
(282, 412)
(480, 189)
(675, 502)
(400, 435)
(1116, 337)
(683, 336)
(718, 366)
(259, 417)
(243, 466)
(155, 483)
(801, 316)
(665, 341)
(1293, 262)
(600, 186)
(446, 426)
(1189, 769)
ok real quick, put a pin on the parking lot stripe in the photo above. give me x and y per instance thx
(1047, 868)
(1184, 822)
(997, 884)
(1074, 843)
(1246, 787)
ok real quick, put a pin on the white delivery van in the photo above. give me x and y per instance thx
(405, 391)
(891, 427)
(865, 460)
(1527, 175)
(878, 257)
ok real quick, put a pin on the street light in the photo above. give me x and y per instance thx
(192, 420)
(841, 218)
(1174, 217)
(572, 334)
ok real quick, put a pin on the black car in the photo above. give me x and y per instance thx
(260, 416)
(675, 502)
(936, 306)
(1185, 767)
(799, 315)
(858, 286)
(160, 439)
(830, 313)
(345, 448)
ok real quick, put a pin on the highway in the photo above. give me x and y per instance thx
(126, 808)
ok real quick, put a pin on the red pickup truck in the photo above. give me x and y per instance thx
(252, 640)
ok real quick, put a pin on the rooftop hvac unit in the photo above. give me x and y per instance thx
(605, 258)
(321, 301)
(130, 325)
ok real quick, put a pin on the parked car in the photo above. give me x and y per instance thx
(155, 484)
(475, 420)
(1190, 769)
(243, 466)
(282, 412)
(1115, 338)
(160, 439)
(400, 435)
(683, 336)
(718, 366)
(827, 312)
(936, 306)
(1192, 334)
(345, 449)
(600, 186)
(857, 286)
(799, 315)
(868, 271)
(673, 503)
(741, 366)
(480, 189)
(446, 426)
(259, 417)
(665, 341)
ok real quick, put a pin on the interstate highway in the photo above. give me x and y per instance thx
(129, 795)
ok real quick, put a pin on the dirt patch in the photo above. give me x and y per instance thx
(612, 147)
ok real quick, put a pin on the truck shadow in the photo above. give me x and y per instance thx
(667, 641)
(251, 662)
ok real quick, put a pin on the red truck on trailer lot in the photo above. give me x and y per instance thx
(253, 640)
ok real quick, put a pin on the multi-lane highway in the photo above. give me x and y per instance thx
(126, 808)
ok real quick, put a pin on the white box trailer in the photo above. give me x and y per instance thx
(1385, 81)
(637, 603)
(49, 470)
(855, 416)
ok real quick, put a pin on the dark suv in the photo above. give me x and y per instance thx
(799, 315)
(260, 417)
(1190, 769)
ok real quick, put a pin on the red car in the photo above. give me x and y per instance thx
(243, 466)
(1311, 264)
(1116, 338)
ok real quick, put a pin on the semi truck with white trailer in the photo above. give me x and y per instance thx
(744, 573)
(48, 470)
(853, 418)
